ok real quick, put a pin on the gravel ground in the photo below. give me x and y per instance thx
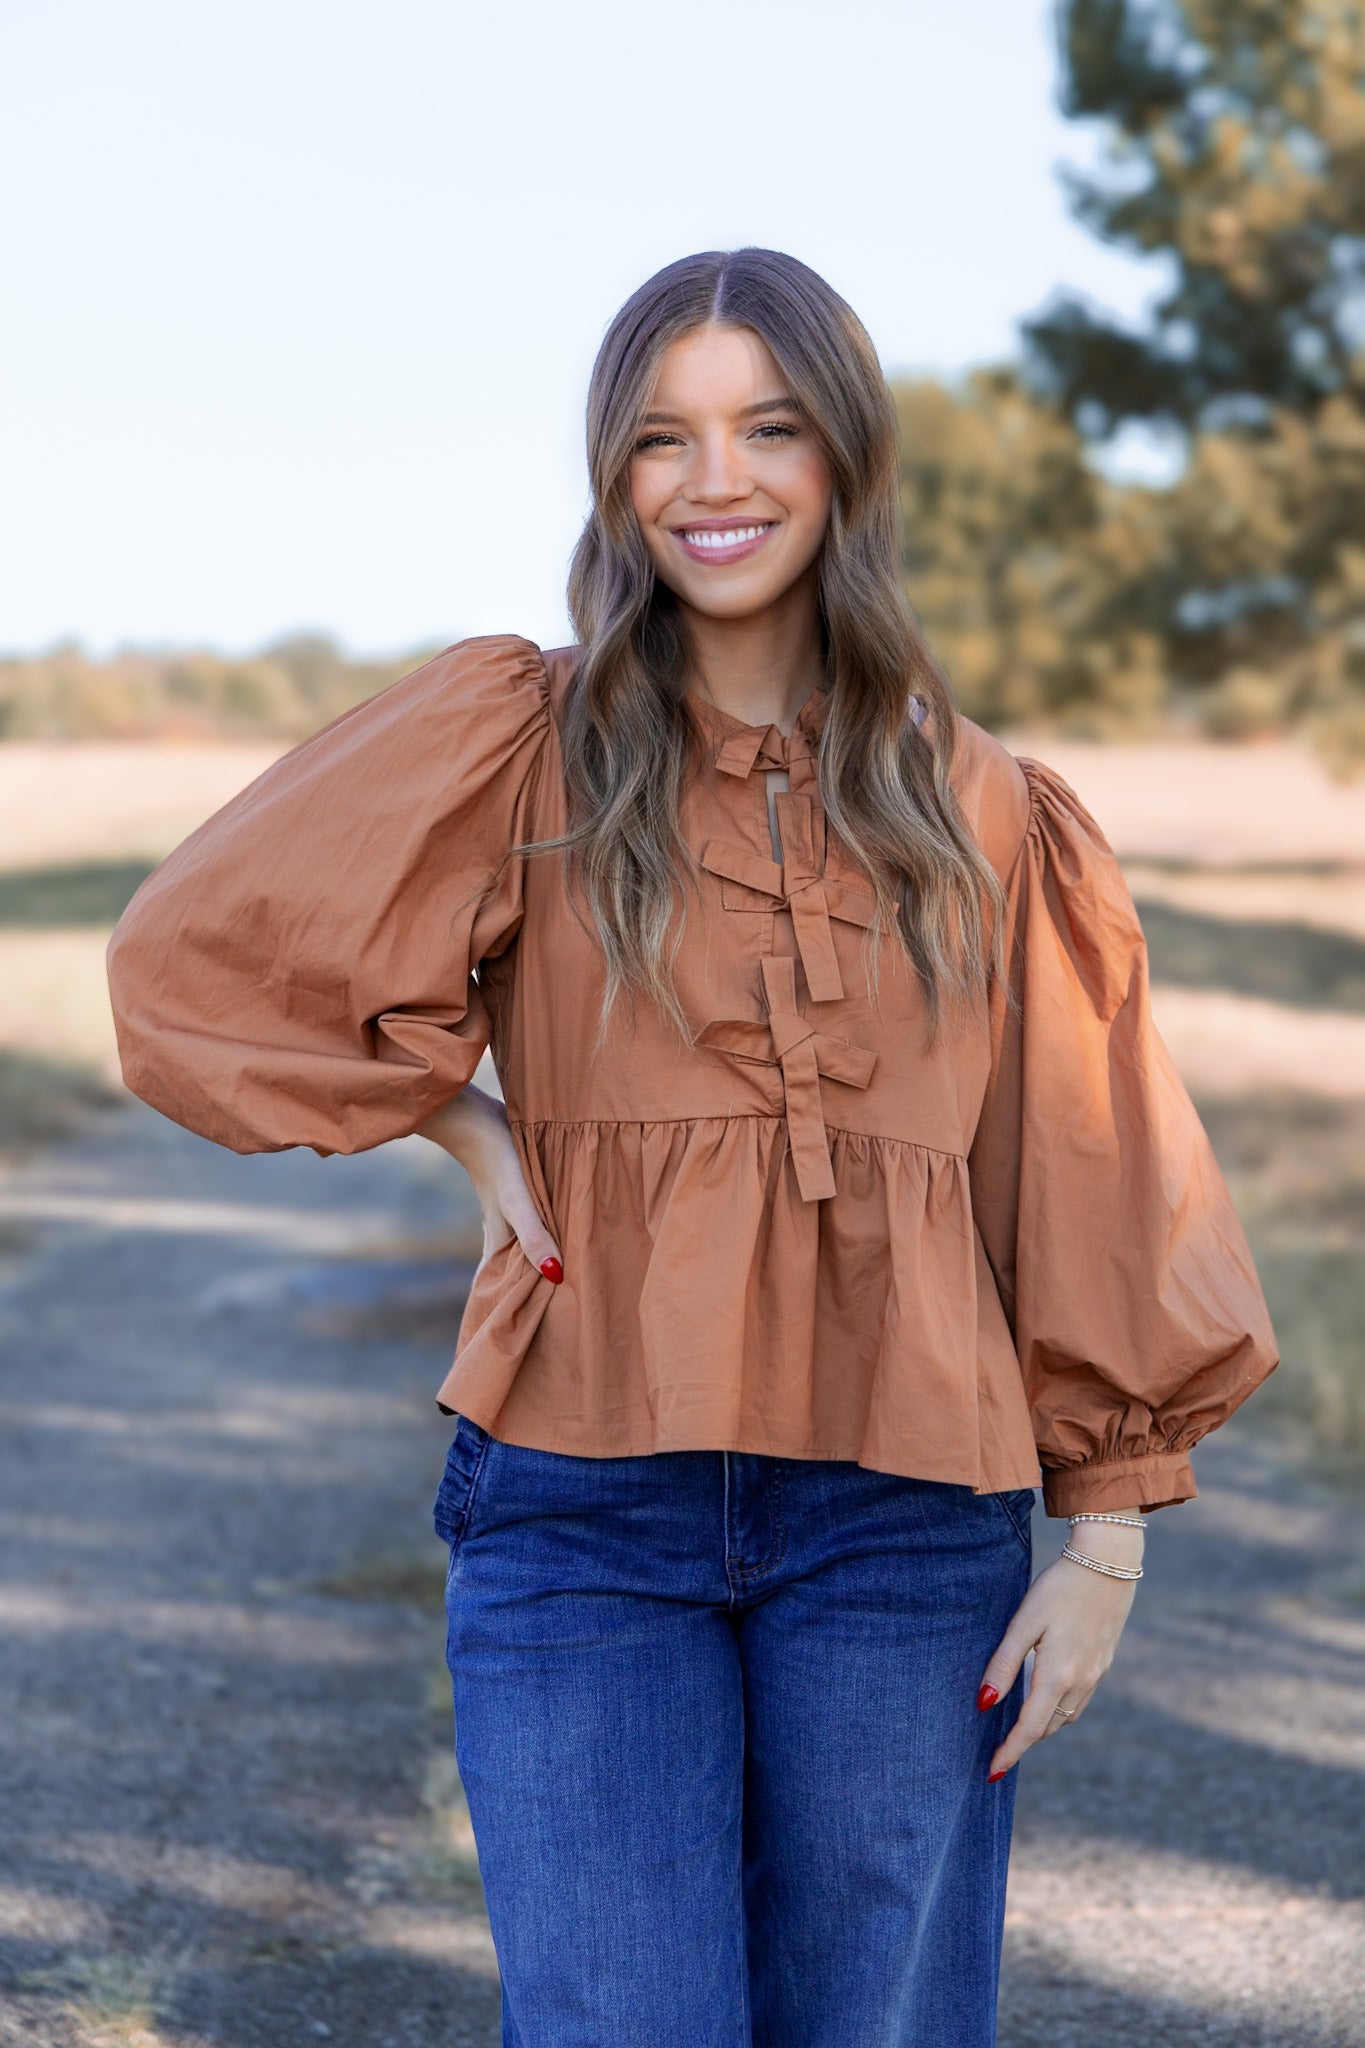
(230, 1815)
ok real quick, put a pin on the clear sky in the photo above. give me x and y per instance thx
(301, 296)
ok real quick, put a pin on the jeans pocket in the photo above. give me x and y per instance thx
(465, 1461)
(1017, 1507)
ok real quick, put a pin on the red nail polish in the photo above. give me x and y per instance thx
(987, 1697)
(991, 1776)
(552, 1269)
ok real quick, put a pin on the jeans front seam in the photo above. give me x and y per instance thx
(777, 1548)
(742, 1953)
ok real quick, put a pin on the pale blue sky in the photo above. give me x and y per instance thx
(302, 297)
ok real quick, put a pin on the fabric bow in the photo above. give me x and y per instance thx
(790, 1042)
(796, 884)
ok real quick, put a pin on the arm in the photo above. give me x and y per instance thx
(1120, 1261)
(1072, 1619)
(473, 1130)
(1137, 1314)
(300, 970)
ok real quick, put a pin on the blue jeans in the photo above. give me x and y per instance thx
(715, 1715)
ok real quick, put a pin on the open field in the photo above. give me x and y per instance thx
(63, 802)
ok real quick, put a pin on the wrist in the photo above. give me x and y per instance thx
(467, 1127)
(1109, 1542)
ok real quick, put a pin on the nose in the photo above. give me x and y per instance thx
(718, 473)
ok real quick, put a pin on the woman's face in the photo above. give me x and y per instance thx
(731, 489)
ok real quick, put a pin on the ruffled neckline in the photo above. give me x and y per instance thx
(810, 718)
(740, 748)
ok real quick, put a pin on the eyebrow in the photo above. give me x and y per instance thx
(667, 419)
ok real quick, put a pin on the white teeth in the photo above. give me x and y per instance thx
(708, 537)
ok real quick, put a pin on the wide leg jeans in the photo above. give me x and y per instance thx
(715, 1717)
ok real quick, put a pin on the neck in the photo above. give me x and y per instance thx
(760, 669)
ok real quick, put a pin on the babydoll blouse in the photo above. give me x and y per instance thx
(1007, 1258)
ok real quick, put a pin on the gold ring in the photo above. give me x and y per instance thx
(1065, 1712)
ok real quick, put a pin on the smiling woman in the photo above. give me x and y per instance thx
(879, 1201)
(757, 407)
(723, 478)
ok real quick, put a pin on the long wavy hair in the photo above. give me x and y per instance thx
(628, 734)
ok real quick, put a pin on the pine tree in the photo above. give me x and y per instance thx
(1235, 149)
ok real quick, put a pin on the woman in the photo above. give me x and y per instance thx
(842, 1183)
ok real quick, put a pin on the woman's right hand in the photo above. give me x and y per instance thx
(473, 1129)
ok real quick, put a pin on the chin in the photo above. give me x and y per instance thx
(741, 597)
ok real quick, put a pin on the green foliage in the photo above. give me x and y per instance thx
(1235, 147)
(1027, 571)
(1234, 601)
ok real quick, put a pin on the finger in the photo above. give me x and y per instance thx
(534, 1239)
(1035, 1718)
(1006, 1661)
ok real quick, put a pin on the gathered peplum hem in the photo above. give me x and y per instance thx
(739, 1312)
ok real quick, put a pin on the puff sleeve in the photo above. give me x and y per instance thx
(1125, 1273)
(298, 971)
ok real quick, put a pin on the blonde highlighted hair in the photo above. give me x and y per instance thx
(628, 734)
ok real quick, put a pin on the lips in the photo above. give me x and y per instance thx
(715, 545)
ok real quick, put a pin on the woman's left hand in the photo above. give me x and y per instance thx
(1071, 1618)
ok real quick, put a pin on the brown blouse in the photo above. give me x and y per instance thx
(805, 1235)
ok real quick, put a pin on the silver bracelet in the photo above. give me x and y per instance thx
(1127, 1521)
(1111, 1571)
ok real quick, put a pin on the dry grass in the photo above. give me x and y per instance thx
(1314, 895)
(73, 802)
(69, 895)
(1296, 1168)
(108, 2000)
(444, 1863)
(1265, 806)
(43, 1100)
(414, 1579)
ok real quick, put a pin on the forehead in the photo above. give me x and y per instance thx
(716, 368)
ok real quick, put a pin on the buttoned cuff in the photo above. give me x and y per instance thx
(1158, 1479)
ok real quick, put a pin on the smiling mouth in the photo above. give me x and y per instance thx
(723, 543)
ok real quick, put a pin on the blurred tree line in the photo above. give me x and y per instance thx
(286, 691)
(1232, 146)
(1230, 601)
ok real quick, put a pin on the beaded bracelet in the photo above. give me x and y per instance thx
(1111, 1571)
(1126, 1521)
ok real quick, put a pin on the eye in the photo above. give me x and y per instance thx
(652, 441)
(776, 427)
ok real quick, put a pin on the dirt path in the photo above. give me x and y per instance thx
(229, 1813)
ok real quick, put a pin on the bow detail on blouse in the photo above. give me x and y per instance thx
(762, 748)
(796, 884)
(790, 1042)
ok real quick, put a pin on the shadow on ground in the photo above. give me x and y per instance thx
(224, 1765)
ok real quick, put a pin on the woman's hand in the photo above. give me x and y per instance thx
(1071, 1619)
(473, 1129)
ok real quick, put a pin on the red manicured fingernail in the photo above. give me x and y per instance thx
(987, 1697)
(552, 1269)
(991, 1776)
